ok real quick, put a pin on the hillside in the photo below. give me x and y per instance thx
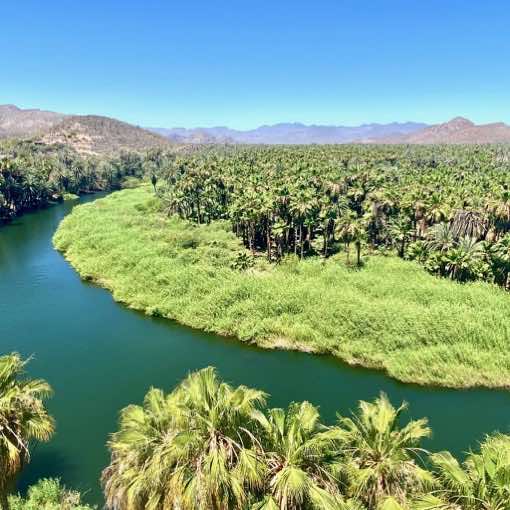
(84, 133)
(290, 133)
(16, 122)
(96, 134)
(458, 130)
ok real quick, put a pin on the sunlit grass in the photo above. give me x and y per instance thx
(391, 314)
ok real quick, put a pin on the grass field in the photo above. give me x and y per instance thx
(390, 315)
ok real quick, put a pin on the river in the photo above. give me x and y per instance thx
(100, 356)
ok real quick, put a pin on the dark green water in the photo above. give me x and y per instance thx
(100, 356)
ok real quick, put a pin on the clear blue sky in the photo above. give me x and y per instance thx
(245, 63)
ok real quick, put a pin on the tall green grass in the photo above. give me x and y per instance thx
(390, 315)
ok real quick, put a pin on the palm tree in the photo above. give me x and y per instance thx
(499, 209)
(302, 459)
(440, 237)
(351, 230)
(23, 418)
(469, 224)
(401, 231)
(435, 209)
(500, 260)
(190, 449)
(482, 482)
(465, 261)
(382, 456)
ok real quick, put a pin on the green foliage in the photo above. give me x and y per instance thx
(482, 482)
(390, 315)
(190, 449)
(382, 455)
(243, 261)
(311, 200)
(301, 457)
(69, 196)
(23, 418)
(48, 494)
(32, 175)
(208, 445)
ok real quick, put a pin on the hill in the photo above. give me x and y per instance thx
(458, 130)
(96, 134)
(84, 133)
(15, 122)
(290, 133)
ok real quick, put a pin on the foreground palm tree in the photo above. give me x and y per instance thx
(23, 418)
(482, 482)
(382, 455)
(302, 458)
(190, 449)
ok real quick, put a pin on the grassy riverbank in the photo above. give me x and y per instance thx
(390, 315)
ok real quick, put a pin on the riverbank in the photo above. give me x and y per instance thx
(391, 315)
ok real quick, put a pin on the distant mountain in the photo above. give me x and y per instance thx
(17, 122)
(458, 130)
(85, 133)
(290, 133)
(97, 134)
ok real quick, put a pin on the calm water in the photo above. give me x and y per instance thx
(100, 356)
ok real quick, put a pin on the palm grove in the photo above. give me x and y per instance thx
(447, 207)
(34, 175)
(209, 445)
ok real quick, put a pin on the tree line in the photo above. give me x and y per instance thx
(447, 207)
(207, 445)
(32, 175)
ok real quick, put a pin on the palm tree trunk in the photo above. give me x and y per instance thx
(198, 212)
(268, 233)
(4, 496)
(358, 253)
(301, 238)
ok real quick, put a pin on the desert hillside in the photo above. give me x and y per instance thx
(96, 134)
(16, 122)
(458, 130)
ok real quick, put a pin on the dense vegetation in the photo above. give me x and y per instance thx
(210, 446)
(446, 206)
(33, 175)
(207, 445)
(23, 418)
(390, 315)
(48, 494)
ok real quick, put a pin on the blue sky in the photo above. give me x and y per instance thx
(243, 64)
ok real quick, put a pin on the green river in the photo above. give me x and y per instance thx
(100, 356)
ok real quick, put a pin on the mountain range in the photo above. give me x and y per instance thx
(456, 131)
(98, 134)
(291, 133)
